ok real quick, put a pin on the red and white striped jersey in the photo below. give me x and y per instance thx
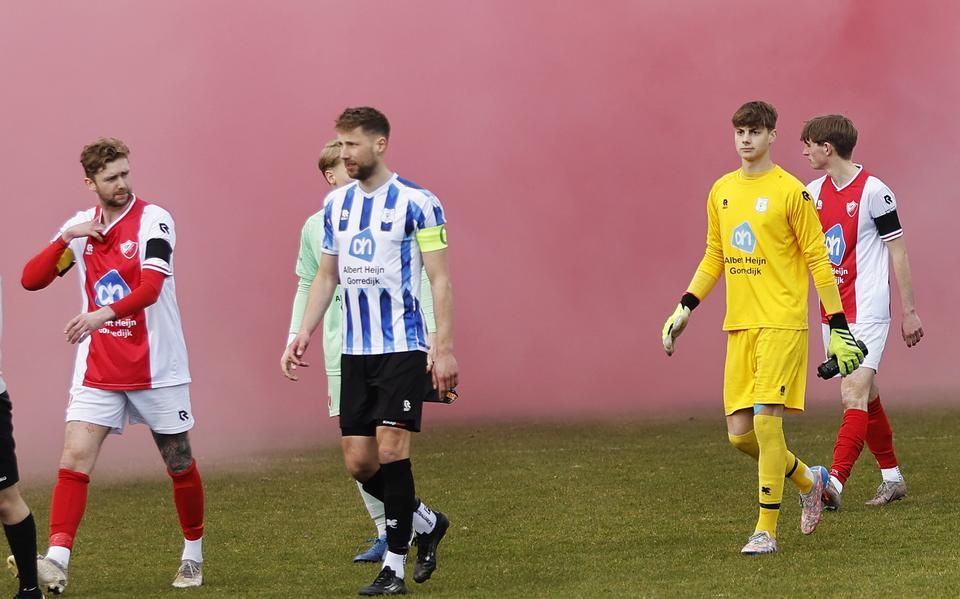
(145, 350)
(857, 219)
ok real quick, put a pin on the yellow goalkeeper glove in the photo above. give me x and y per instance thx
(843, 345)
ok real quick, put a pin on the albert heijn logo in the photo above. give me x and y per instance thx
(363, 246)
(110, 288)
(836, 246)
(743, 238)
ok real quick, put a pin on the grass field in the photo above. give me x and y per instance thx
(599, 510)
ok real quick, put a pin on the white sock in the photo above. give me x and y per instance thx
(193, 550)
(395, 562)
(376, 511)
(61, 555)
(891, 475)
(423, 519)
(836, 484)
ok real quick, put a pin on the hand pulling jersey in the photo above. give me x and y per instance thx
(145, 350)
(857, 219)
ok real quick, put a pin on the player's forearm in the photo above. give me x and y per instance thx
(903, 274)
(321, 292)
(426, 303)
(299, 306)
(146, 294)
(443, 312)
(42, 269)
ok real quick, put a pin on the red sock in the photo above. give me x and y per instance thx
(67, 507)
(880, 435)
(849, 443)
(188, 496)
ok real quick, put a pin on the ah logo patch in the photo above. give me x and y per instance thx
(363, 246)
(110, 288)
(836, 246)
(743, 238)
(129, 249)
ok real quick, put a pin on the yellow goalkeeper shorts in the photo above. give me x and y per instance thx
(765, 366)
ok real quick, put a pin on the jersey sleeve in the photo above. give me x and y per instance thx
(158, 238)
(710, 268)
(311, 239)
(882, 207)
(329, 245)
(803, 219)
(76, 246)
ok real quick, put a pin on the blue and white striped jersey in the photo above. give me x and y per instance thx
(374, 237)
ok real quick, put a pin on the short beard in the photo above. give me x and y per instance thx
(364, 172)
(113, 202)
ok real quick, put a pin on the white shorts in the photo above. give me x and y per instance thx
(165, 410)
(873, 335)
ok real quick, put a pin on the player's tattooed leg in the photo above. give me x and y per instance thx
(175, 450)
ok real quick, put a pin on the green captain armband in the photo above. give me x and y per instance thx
(432, 238)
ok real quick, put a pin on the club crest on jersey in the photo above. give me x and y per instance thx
(761, 205)
(388, 215)
(110, 288)
(363, 246)
(851, 208)
(743, 238)
(836, 246)
(129, 248)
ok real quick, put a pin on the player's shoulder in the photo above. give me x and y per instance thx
(340, 193)
(873, 184)
(727, 179)
(412, 190)
(153, 211)
(787, 179)
(83, 216)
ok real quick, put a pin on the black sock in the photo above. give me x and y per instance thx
(374, 485)
(399, 501)
(23, 543)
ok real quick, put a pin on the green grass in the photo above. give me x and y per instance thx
(592, 510)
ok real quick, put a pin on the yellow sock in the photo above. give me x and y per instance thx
(796, 470)
(798, 473)
(747, 443)
(773, 453)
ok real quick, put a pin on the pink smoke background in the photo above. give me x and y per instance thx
(572, 143)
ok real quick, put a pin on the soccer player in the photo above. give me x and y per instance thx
(311, 243)
(131, 357)
(18, 523)
(763, 235)
(863, 235)
(378, 234)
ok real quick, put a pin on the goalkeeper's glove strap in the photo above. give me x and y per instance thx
(839, 321)
(689, 300)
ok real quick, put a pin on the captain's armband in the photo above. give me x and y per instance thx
(65, 262)
(432, 239)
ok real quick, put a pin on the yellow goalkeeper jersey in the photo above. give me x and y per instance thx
(763, 234)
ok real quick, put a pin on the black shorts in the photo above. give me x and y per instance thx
(9, 475)
(382, 390)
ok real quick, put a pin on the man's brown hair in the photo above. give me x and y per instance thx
(329, 156)
(835, 129)
(756, 114)
(370, 119)
(97, 155)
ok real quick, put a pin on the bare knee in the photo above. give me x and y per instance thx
(360, 457)
(12, 507)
